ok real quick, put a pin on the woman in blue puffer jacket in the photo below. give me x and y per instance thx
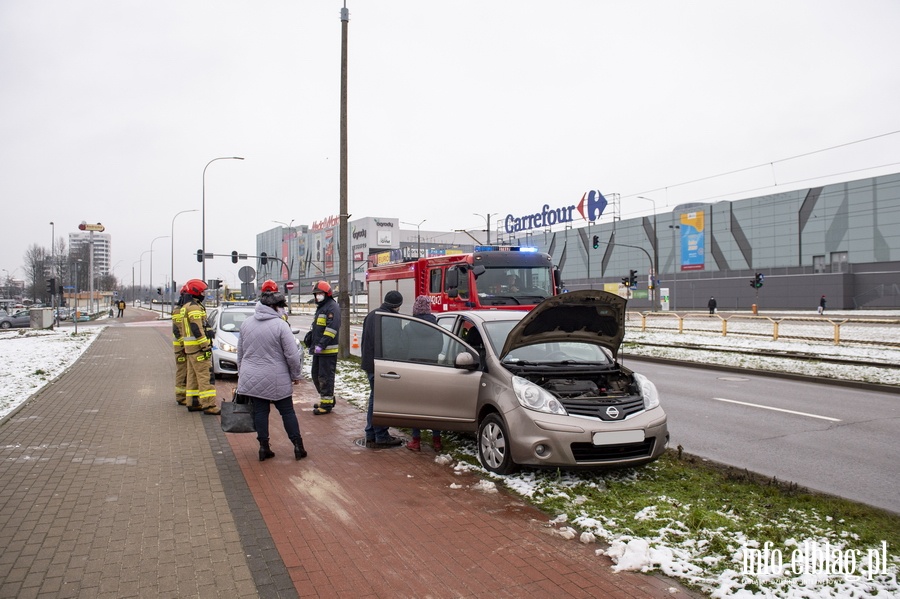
(269, 364)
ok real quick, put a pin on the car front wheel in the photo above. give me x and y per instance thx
(4, 325)
(493, 446)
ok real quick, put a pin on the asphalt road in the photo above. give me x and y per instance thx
(834, 439)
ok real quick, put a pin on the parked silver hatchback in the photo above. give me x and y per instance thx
(539, 388)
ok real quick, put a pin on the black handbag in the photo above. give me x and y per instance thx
(237, 415)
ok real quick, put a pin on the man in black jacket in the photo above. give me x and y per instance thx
(377, 436)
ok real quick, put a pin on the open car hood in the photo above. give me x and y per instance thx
(587, 316)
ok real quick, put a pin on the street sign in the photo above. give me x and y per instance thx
(289, 285)
(89, 227)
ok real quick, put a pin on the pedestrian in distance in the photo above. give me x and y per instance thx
(324, 348)
(121, 306)
(269, 365)
(822, 305)
(200, 393)
(424, 346)
(378, 436)
(711, 304)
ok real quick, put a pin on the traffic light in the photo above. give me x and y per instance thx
(263, 258)
(596, 241)
(216, 283)
(757, 281)
(234, 257)
(632, 278)
(51, 286)
(199, 255)
(159, 291)
(626, 282)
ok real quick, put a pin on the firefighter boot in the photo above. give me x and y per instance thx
(194, 405)
(265, 452)
(324, 406)
(299, 451)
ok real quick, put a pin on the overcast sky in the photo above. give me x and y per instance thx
(110, 110)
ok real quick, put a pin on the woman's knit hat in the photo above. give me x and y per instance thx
(422, 305)
(273, 300)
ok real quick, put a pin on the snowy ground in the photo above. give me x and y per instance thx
(31, 359)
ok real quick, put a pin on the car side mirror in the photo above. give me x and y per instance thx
(467, 361)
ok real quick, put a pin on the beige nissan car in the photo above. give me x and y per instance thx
(540, 388)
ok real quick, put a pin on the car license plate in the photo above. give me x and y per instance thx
(618, 437)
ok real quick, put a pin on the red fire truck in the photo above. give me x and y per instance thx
(491, 277)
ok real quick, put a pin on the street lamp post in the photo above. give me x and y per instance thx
(151, 269)
(418, 237)
(675, 229)
(172, 265)
(655, 274)
(487, 218)
(203, 238)
(52, 261)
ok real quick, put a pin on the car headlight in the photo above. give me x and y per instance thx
(535, 398)
(648, 391)
(226, 347)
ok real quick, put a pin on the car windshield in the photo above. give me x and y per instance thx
(522, 285)
(540, 353)
(232, 320)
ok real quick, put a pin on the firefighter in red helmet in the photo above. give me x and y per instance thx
(178, 346)
(269, 286)
(201, 390)
(324, 346)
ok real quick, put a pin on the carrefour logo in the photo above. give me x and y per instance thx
(590, 208)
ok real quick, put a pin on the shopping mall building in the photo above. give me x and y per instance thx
(840, 240)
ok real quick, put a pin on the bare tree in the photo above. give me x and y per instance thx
(36, 268)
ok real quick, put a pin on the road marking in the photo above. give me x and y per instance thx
(754, 405)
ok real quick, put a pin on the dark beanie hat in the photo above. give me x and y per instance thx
(393, 299)
(271, 299)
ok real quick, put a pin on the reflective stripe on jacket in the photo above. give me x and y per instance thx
(326, 324)
(194, 327)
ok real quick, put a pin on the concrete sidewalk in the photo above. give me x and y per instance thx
(108, 488)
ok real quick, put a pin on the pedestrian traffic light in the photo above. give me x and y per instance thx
(757, 281)
(632, 278)
(596, 241)
(263, 258)
(51, 285)
(234, 257)
(199, 255)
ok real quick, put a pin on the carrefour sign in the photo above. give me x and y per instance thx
(590, 208)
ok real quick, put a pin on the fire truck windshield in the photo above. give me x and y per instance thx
(513, 286)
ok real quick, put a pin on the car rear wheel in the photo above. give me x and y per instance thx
(4, 325)
(493, 446)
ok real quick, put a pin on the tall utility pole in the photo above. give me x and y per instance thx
(343, 245)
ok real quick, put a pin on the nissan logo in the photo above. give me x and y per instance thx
(612, 412)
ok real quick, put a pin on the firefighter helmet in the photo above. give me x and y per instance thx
(269, 286)
(322, 287)
(195, 287)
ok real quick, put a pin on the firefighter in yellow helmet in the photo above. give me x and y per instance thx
(201, 389)
(324, 346)
(178, 345)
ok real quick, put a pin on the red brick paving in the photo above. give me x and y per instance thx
(351, 521)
